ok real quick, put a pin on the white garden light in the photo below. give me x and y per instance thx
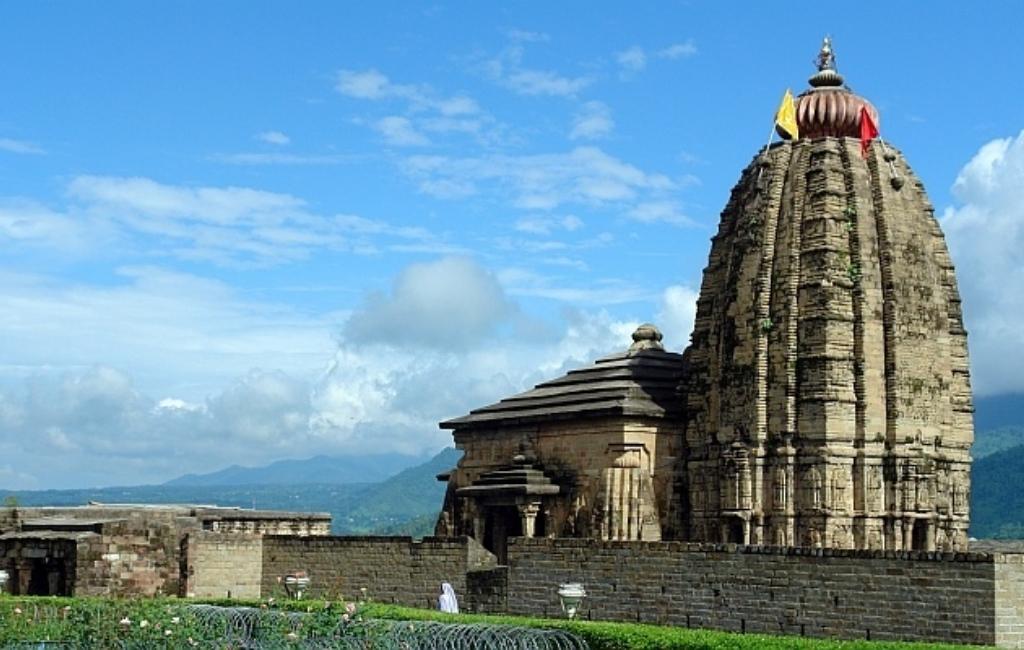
(571, 594)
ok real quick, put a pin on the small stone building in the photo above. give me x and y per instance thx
(124, 549)
(824, 399)
(592, 454)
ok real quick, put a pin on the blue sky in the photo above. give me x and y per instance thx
(237, 232)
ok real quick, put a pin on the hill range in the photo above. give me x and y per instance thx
(394, 494)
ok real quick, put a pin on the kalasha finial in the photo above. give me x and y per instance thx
(826, 57)
(826, 62)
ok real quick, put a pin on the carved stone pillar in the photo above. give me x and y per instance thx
(478, 525)
(528, 514)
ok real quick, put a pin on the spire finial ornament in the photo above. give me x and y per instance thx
(826, 62)
(826, 57)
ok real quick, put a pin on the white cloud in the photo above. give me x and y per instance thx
(986, 238)
(507, 70)
(675, 316)
(546, 225)
(368, 84)
(399, 131)
(228, 226)
(373, 85)
(20, 146)
(591, 122)
(633, 59)
(679, 50)
(181, 335)
(445, 339)
(660, 211)
(450, 304)
(274, 137)
(544, 82)
(586, 175)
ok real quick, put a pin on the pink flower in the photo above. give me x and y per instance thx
(350, 608)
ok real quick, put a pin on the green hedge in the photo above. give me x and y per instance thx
(96, 622)
(636, 636)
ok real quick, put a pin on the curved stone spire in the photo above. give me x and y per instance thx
(827, 393)
(828, 107)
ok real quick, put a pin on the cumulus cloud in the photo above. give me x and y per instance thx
(985, 232)
(451, 304)
(585, 175)
(675, 316)
(274, 137)
(591, 122)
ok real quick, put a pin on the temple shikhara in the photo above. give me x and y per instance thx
(824, 399)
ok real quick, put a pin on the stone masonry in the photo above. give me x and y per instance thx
(972, 598)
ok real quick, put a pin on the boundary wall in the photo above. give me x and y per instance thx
(972, 598)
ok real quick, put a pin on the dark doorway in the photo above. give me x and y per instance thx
(502, 522)
(47, 577)
(919, 535)
(734, 531)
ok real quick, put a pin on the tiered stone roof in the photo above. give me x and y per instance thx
(642, 381)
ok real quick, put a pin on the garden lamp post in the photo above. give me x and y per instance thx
(4, 577)
(571, 594)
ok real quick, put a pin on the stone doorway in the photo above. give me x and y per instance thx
(502, 522)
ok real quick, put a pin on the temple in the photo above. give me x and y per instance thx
(824, 399)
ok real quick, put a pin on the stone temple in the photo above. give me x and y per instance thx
(824, 399)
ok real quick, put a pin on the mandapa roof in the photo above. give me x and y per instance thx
(642, 381)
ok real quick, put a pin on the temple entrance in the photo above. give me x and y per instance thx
(41, 577)
(919, 535)
(502, 522)
(734, 531)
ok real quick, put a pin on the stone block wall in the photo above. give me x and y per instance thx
(486, 591)
(1009, 570)
(223, 565)
(964, 597)
(135, 557)
(391, 569)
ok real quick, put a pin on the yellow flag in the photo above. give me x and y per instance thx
(785, 117)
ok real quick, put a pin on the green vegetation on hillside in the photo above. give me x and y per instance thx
(989, 442)
(997, 502)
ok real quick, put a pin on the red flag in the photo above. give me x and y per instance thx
(868, 131)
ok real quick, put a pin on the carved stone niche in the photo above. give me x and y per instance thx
(626, 500)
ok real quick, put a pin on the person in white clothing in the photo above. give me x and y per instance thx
(447, 602)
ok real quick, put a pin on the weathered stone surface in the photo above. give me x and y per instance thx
(828, 398)
(842, 593)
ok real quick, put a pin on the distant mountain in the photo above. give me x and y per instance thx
(988, 442)
(407, 503)
(413, 493)
(997, 502)
(318, 469)
(998, 411)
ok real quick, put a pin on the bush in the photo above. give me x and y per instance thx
(106, 623)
